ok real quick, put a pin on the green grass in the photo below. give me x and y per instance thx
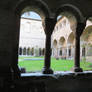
(56, 65)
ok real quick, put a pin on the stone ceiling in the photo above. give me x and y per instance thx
(84, 6)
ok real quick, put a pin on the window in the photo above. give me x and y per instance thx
(69, 52)
(60, 52)
(83, 52)
(32, 39)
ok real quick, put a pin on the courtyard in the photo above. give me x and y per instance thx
(35, 64)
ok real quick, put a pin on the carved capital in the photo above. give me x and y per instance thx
(79, 29)
(48, 25)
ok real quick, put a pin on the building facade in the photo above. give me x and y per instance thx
(32, 39)
(63, 40)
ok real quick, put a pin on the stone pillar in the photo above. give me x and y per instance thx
(21, 51)
(67, 52)
(58, 52)
(62, 51)
(78, 32)
(73, 52)
(48, 25)
(81, 52)
(26, 51)
(52, 53)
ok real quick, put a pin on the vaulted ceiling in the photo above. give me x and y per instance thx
(83, 6)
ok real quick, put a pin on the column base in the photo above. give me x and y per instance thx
(77, 69)
(47, 71)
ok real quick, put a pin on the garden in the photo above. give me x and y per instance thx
(33, 64)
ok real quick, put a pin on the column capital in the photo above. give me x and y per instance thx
(48, 25)
(79, 29)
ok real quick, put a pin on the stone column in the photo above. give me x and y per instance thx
(62, 51)
(81, 52)
(48, 25)
(78, 32)
(52, 52)
(58, 52)
(22, 51)
(26, 51)
(73, 52)
(67, 52)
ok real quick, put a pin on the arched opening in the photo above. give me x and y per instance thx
(62, 45)
(20, 50)
(70, 46)
(40, 52)
(24, 51)
(55, 54)
(83, 51)
(55, 43)
(71, 39)
(32, 51)
(62, 41)
(28, 51)
(86, 39)
(86, 44)
(60, 52)
(63, 32)
(32, 36)
(43, 51)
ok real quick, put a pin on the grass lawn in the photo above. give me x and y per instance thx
(56, 65)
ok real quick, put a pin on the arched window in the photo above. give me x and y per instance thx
(31, 35)
(40, 52)
(28, 51)
(69, 52)
(43, 51)
(20, 51)
(83, 52)
(24, 51)
(32, 51)
(60, 52)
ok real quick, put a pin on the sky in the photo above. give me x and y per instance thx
(32, 15)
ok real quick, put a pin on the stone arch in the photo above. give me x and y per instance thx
(28, 51)
(83, 51)
(34, 5)
(87, 33)
(70, 39)
(86, 42)
(54, 49)
(55, 43)
(62, 41)
(24, 51)
(32, 51)
(43, 51)
(20, 50)
(40, 52)
(70, 45)
(71, 9)
(62, 44)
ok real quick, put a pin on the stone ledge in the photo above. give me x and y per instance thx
(57, 75)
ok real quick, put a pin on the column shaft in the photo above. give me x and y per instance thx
(78, 32)
(48, 51)
(48, 25)
(67, 52)
(77, 52)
